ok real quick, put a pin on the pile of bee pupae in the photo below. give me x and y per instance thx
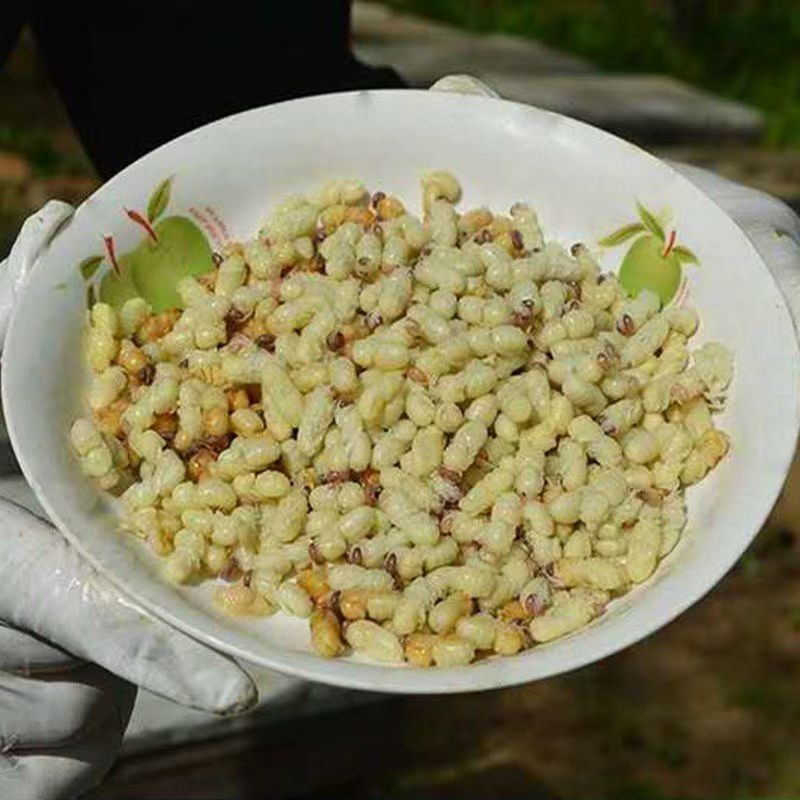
(436, 439)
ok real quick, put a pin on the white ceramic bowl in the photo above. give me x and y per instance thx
(584, 184)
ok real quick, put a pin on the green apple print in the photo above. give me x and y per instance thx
(116, 288)
(178, 249)
(654, 260)
(173, 248)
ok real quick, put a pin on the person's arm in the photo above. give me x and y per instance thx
(137, 75)
(72, 652)
(12, 19)
(72, 647)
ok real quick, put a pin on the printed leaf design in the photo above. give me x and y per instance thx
(159, 200)
(89, 266)
(685, 255)
(622, 234)
(650, 222)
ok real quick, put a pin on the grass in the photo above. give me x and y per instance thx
(743, 49)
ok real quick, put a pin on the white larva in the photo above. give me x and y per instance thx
(445, 428)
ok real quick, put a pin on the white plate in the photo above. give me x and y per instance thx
(583, 183)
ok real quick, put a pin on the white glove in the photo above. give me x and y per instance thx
(61, 718)
(772, 227)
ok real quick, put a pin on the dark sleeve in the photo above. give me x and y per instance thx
(12, 17)
(139, 74)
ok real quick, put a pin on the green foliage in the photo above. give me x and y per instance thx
(744, 49)
(89, 266)
(159, 200)
(650, 222)
(622, 234)
(36, 144)
(685, 255)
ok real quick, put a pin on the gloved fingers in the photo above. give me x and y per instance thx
(772, 227)
(68, 772)
(782, 255)
(748, 206)
(20, 651)
(50, 712)
(28, 655)
(47, 588)
(463, 84)
(35, 235)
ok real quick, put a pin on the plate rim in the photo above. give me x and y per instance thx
(476, 677)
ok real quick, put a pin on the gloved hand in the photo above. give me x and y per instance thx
(772, 227)
(72, 648)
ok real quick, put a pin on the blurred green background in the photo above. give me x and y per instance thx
(747, 50)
